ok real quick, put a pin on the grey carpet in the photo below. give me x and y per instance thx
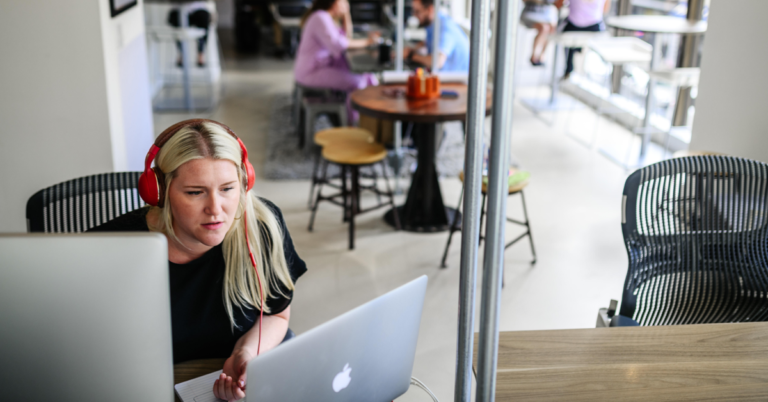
(285, 161)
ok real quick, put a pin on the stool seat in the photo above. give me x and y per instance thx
(682, 77)
(325, 137)
(354, 152)
(513, 188)
(621, 50)
(576, 39)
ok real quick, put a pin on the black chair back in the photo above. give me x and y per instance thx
(77, 205)
(695, 229)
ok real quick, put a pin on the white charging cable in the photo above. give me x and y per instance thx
(415, 381)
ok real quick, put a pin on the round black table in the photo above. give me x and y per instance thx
(424, 210)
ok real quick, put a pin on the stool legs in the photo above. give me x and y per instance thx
(527, 225)
(391, 195)
(344, 193)
(315, 179)
(354, 204)
(350, 197)
(482, 215)
(309, 124)
(323, 179)
(454, 227)
(298, 97)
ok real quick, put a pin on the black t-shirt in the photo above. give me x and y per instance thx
(200, 324)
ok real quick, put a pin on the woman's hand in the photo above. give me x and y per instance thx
(343, 7)
(231, 383)
(227, 389)
(373, 37)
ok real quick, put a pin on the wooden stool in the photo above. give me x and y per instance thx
(350, 155)
(325, 137)
(309, 102)
(516, 188)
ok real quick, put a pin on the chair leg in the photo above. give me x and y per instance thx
(528, 226)
(343, 118)
(391, 195)
(315, 179)
(298, 98)
(309, 124)
(376, 183)
(453, 228)
(323, 180)
(482, 215)
(344, 194)
(354, 204)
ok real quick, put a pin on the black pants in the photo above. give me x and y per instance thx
(569, 51)
(198, 19)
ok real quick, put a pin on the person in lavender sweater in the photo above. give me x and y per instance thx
(320, 62)
(585, 16)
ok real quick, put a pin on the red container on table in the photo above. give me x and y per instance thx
(422, 86)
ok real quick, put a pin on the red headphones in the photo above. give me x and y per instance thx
(152, 185)
(152, 181)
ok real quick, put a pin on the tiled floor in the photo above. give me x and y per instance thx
(574, 204)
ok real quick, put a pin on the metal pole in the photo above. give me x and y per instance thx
(473, 158)
(624, 7)
(498, 174)
(436, 56)
(689, 57)
(399, 67)
(436, 38)
(400, 32)
(184, 24)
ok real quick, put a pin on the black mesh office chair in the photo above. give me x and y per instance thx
(77, 205)
(696, 232)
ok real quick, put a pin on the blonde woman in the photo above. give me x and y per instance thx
(204, 206)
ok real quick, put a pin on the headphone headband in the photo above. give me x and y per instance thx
(152, 181)
(170, 131)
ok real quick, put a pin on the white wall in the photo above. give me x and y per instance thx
(61, 102)
(732, 103)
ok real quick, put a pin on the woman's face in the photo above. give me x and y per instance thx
(339, 8)
(204, 198)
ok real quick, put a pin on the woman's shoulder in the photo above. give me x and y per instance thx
(134, 221)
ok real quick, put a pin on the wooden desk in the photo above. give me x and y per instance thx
(669, 363)
(194, 368)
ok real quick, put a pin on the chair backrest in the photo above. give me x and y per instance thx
(696, 234)
(77, 205)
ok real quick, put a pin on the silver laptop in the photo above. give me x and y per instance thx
(364, 355)
(85, 318)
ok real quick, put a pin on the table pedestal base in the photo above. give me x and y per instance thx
(450, 214)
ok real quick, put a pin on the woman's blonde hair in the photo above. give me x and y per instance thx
(241, 288)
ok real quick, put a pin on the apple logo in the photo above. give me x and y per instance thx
(342, 379)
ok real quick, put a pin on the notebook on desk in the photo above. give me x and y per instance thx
(199, 389)
(365, 354)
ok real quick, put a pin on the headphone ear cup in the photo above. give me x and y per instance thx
(251, 174)
(149, 188)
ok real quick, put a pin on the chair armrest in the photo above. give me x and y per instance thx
(603, 321)
(604, 315)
